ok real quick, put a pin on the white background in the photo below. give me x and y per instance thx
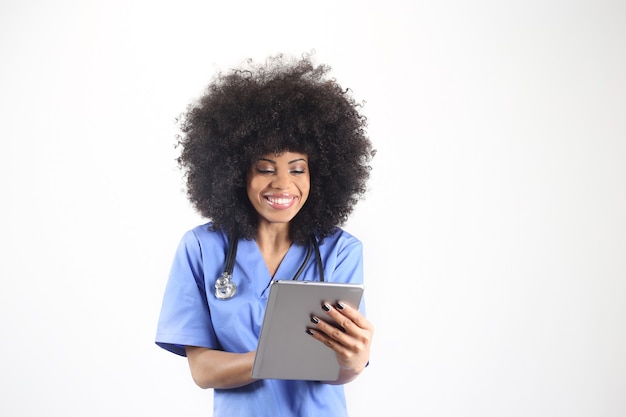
(494, 229)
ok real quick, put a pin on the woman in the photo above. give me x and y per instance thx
(276, 156)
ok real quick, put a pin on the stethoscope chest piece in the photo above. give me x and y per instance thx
(224, 287)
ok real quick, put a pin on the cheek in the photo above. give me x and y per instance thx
(253, 183)
(305, 189)
(251, 189)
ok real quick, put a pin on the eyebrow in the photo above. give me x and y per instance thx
(274, 162)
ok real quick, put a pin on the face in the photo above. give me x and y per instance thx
(278, 186)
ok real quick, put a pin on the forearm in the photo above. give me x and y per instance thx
(217, 369)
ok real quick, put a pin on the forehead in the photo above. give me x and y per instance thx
(283, 157)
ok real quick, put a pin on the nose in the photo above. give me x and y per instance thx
(281, 180)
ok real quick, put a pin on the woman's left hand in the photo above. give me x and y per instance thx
(351, 340)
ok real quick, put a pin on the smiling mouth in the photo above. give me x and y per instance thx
(280, 202)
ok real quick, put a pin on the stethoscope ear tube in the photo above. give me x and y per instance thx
(306, 261)
(318, 258)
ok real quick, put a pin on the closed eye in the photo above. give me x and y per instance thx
(265, 171)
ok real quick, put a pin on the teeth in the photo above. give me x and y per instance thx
(279, 200)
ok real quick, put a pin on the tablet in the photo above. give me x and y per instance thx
(285, 350)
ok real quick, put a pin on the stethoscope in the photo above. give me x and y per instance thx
(225, 288)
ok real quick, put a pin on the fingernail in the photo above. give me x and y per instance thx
(309, 331)
(315, 319)
(325, 307)
(340, 306)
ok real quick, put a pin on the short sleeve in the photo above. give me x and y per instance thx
(343, 260)
(185, 319)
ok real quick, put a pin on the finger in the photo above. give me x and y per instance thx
(342, 342)
(354, 315)
(332, 331)
(356, 331)
(334, 344)
(348, 348)
(347, 317)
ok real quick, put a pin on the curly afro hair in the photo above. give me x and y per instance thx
(281, 105)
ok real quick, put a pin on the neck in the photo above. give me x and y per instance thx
(273, 242)
(273, 238)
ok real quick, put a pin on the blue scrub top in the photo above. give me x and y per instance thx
(191, 315)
